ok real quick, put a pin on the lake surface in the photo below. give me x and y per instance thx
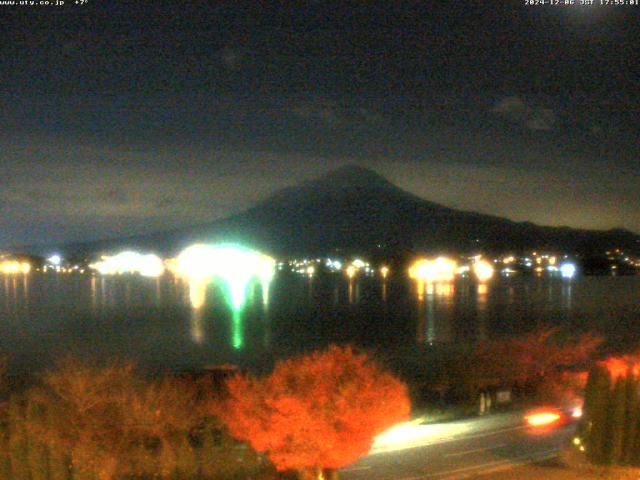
(45, 316)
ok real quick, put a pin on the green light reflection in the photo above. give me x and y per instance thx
(237, 334)
(236, 268)
(236, 291)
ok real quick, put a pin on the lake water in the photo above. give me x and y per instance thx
(44, 316)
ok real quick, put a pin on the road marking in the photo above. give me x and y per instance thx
(542, 456)
(457, 454)
(356, 469)
(488, 433)
(493, 466)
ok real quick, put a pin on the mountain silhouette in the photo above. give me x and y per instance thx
(354, 209)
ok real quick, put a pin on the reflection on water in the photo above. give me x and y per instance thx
(16, 294)
(237, 334)
(567, 294)
(435, 302)
(167, 322)
(197, 327)
(94, 293)
(233, 270)
(237, 291)
(481, 302)
(158, 292)
(350, 290)
(197, 292)
(25, 288)
(265, 293)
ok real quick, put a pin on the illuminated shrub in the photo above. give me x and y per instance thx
(536, 358)
(316, 412)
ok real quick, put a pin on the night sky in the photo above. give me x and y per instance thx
(118, 119)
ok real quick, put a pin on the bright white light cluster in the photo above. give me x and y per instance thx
(234, 265)
(567, 270)
(147, 265)
(358, 265)
(333, 265)
(483, 270)
(10, 267)
(442, 269)
(227, 261)
(54, 260)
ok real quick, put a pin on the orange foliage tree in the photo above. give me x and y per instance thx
(315, 413)
(537, 358)
(622, 365)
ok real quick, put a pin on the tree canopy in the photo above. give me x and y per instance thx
(521, 358)
(109, 419)
(320, 410)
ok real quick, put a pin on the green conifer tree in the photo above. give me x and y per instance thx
(597, 413)
(633, 406)
(634, 455)
(617, 422)
(588, 407)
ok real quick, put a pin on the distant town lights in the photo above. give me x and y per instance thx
(567, 270)
(12, 267)
(147, 265)
(442, 269)
(357, 263)
(54, 260)
(384, 271)
(351, 271)
(483, 270)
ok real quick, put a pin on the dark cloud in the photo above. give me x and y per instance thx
(325, 112)
(540, 118)
(334, 113)
(124, 120)
(232, 57)
(532, 117)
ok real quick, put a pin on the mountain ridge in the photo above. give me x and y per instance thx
(353, 209)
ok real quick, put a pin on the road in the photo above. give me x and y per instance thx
(458, 449)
